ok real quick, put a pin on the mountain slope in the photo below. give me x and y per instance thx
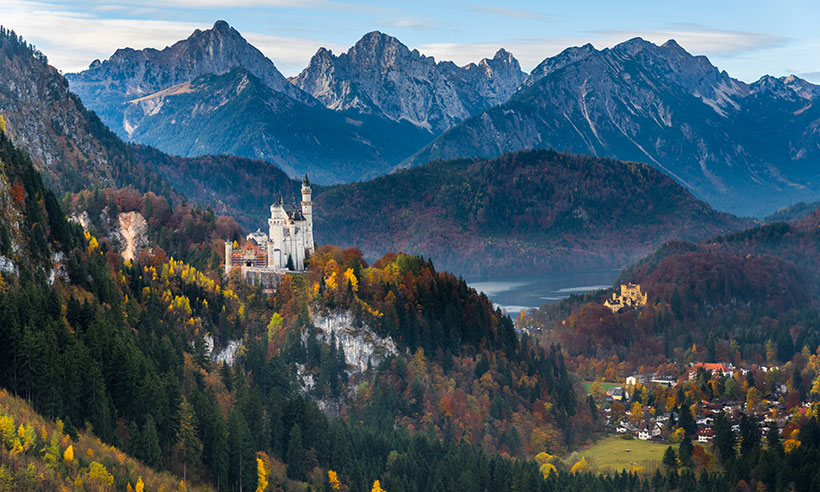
(725, 140)
(201, 117)
(68, 144)
(380, 75)
(532, 211)
(130, 74)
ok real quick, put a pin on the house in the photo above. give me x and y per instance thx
(706, 435)
(615, 393)
(720, 368)
(635, 379)
(644, 433)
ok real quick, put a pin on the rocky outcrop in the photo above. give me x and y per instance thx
(380, 75)
(362, 346)
(132, 232)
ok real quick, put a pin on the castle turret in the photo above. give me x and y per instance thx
(307, 212)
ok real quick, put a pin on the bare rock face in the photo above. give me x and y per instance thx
(132, 231)
(131, 74)
(380, 75)
(362, 346)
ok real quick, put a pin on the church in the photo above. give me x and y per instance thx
(284, 248)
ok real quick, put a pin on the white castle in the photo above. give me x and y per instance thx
(288, 242)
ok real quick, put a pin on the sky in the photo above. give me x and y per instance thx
(748, 39)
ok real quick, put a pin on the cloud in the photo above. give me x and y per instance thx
(700, 39)
(414, 23)
(530, 52)
(289, 54)
(71, 39)
(506, 12)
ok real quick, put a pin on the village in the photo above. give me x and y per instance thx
(633, 410)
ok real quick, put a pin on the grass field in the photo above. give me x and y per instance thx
(615, 454)
(605, 386)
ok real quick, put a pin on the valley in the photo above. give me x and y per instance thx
(392, 272)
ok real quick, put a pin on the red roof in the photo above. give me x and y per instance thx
(711, 366)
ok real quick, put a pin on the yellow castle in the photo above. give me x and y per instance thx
(630, 296)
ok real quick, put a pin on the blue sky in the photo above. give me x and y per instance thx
(747, 39)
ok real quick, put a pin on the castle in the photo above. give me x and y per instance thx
(630, 296)
(289, 241)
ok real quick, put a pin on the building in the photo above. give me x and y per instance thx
(286, 246)
(706, 435)
(630, 296)
(723, 369)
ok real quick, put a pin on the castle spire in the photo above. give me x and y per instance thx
(306, 181)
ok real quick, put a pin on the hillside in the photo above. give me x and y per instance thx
(200, 117)
(725, 140)
(532, 211)
(749, 295)
(68, 144)
(49, 455)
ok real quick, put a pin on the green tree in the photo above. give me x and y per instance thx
(151, 452)
(685, 452)
(296, 454)
(670, 460)
(188, 443)
(724, 440)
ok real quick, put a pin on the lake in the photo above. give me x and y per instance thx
(512, 294)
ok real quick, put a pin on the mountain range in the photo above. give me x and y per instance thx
(382, 106)
(725, 140)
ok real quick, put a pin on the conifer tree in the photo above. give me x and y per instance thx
(296, 454)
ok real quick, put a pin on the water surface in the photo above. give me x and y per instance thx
(512, 294)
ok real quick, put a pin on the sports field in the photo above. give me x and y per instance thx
(615, 454)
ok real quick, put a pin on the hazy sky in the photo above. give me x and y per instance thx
(747, 39)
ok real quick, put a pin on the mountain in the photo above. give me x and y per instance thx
(725, 140)
(524, 212)
(201, 117)
(131, 74)
(214, 93)
(67, 143)
(380, 75)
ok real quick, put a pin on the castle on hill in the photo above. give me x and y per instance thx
(630, 296)
(284, 248)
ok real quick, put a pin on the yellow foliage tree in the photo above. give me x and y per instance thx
(580, 467)
(2, 124)
(262, 476)
(790, 445)
(7, 430)
(335, 484)
(140, 487)
(377, 487)
(636, 412)
(68, 455)
(274, 326)
(98, 473)
(351, 277)
(547, 469)
(543, 457)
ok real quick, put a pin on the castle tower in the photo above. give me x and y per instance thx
(307, 211)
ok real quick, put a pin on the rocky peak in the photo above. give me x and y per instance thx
(131, 74)
(559, 61)
(380, 75)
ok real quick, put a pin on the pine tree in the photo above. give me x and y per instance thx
(669, 459)
(296, 454)
(151, 452)
(188, 443)
(685, 452)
